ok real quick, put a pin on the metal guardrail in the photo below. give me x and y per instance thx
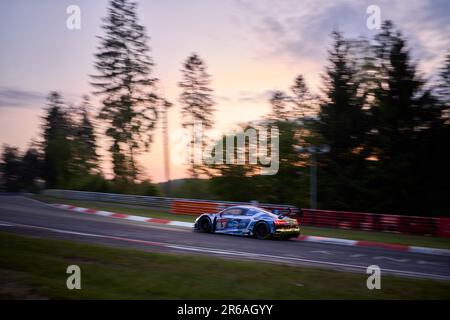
(158, 202)
(374, 222)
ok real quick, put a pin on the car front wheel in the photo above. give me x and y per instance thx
(204, 225)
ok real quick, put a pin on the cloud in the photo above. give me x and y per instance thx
(254, 96)
(299, 30)
(246, 96)
(17, 98)
(292, 29)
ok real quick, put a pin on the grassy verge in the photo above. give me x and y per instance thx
(423, 241)
(36, 268)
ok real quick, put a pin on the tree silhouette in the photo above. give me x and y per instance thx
(125, 84)
(10, 167)
(196, 100)
(409, 131)
(279, 104)
(342, 124)
(56, 143)
(303, 100)
(85, 157)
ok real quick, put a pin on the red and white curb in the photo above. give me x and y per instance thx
(362, 243)
(337, 241)
(124, 216)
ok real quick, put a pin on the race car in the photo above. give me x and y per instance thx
(248, 221)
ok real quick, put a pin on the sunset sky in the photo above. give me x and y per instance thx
(251, 47)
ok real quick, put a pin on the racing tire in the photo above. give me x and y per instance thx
(204, 225)
(261, 231)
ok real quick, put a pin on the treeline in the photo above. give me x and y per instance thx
(64, 157)
(387, 130)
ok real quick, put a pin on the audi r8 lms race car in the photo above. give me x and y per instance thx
(248, 221)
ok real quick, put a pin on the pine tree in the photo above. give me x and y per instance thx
(10, 168)
(279, 104)
(302, 98)
(342, 119)
(443, 88)
(397, 110)
(19, 172)
(56, 143)
(125, 84)
(85, 157)
(196, 100)
(30, 170)
(407, 132)
(342, 124)
(432, 150)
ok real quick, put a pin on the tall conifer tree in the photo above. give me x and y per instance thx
(126, 86)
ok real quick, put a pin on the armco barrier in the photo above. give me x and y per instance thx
(158, 202)
(197, 207)
(376, 222)
(176, 205)
(319, 218)
(444, 227)
(193, 207)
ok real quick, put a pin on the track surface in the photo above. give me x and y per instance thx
(26, 216)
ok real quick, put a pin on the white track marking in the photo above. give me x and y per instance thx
(233, 253)
(442, 252)
(391, 259)
(332, 240)
(430, 263)
(321, 251)
(163, 227)
(181, 224)
(6, 225)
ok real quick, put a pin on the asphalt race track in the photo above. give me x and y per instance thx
(22, 215)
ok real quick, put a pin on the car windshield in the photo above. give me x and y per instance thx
(248, 212)
(235, 211)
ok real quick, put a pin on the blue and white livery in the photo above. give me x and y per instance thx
(248, 221)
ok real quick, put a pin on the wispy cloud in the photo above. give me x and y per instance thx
(18, 98)
(254, 96)
(298, 30)
(246, 96)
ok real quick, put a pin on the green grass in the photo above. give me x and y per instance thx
(36, 268)
(424, 241)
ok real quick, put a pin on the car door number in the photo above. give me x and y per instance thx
(221, 223)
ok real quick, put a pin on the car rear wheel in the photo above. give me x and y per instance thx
(204, 224)
(261, 231)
